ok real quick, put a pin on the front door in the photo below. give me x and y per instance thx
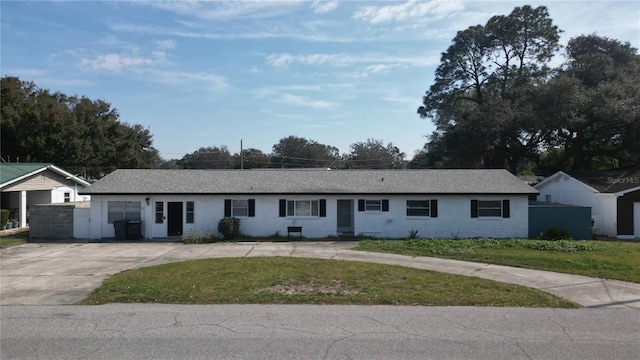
(345, 217)
(174, 219)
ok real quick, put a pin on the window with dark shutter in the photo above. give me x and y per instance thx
(361, 205)
(252, 207)
(506, 211)
(474, 208)
(227, 207)
(283, 207)
(323, 208)
(385, 205)
(434, 208)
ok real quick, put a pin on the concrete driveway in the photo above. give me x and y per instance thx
(63, 273)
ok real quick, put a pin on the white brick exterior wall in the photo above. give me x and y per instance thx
(454, 217)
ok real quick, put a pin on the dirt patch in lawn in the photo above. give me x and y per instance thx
(338, 288)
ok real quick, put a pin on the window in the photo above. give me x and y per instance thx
(67, 197)
(490, 208)
(373, 205)
(159, 212)
(240, 208)
(547, 198)
(418, 207)
(123, 210)
(303, 208)
(190, 212)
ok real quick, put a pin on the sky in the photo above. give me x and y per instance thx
(213, 73)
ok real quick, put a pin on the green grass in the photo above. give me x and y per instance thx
(604, 259)
(280, 280)
(15, 239)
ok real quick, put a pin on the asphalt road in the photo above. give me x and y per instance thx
(158, 331)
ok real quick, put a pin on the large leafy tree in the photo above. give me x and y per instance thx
(77, 133)
(592, 107)
(478, 99)
(298, 152)
(373, 154)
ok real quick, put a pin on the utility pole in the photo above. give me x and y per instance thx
(241, 156)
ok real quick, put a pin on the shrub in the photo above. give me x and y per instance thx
(229, 228)
(4, 216)
(556, 233)
(199, 237)
(413, 234)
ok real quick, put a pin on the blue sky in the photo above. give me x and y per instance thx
(211, 73)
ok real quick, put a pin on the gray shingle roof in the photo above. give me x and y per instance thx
(148, 182)
(609, 181)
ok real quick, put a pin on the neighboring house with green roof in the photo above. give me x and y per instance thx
(320, 203)
(26, 184)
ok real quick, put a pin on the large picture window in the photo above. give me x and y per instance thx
(303, 208)
(123, 210)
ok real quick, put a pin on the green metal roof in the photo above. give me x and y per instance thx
(12, 171)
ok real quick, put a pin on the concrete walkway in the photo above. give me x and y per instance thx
(63, 273)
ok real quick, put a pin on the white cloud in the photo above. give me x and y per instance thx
(115, 62)
(166, 44)
(211, 81)
(305, 102)
(410, 10)
(379, 62)
(225, 10)
(321, 7)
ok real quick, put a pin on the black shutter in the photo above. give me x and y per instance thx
(361, 205)
(323, 208)
(385, 205)
(252, 207)
(506, 211)
(433, 208)
(227, 208)
(474, 208)
(283, 208)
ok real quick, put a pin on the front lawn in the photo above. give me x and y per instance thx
(285, 280)
(618, 260)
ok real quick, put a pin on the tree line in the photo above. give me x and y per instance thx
(295, 152)
(84, 135)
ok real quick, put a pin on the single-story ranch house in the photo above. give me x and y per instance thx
(380, 203)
